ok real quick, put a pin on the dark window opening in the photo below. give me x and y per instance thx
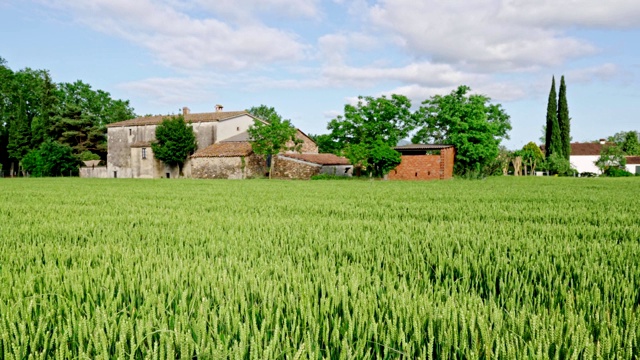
(637, 170)
(428, 172)
(144, 153)
(416, 174)
(130, 131)
(115, 174)
(238, 128)
(346, 170)
(168, 175)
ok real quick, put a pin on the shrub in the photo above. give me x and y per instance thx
(615, 172)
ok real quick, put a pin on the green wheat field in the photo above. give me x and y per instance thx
(503, 268)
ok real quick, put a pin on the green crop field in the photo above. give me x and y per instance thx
(503, 268)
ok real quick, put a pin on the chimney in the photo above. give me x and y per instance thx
(603, 141)
(186, 111)
(218, 108)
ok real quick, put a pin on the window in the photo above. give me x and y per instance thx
(168, 175)
(144, 153)
(130, 131)
(637, 170)
(238, 128)
(115, 174)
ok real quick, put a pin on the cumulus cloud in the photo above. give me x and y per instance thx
(243, 9)
(182, 41)
(483, 35)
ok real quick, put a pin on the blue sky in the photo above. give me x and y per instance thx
(307, 58)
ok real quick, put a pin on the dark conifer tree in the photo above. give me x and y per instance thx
(563, 120)
(552, 134)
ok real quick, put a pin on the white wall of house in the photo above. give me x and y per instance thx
(633, 168)
(232, 127)
(584, 163)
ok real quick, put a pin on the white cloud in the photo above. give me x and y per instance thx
(604, 73)
(244, 9)
(182, 41)
(169, 92)
(482, 35)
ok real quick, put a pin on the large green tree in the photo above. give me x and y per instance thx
(271, 135)
(564, 119)
(553, 139)
(371, 128)
(51, 159)
(469, 122)
(174, 142)
(630, 144)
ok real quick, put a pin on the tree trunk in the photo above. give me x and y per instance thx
(273, 159)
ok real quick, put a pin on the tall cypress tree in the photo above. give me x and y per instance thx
(552, 136)
(563, 120)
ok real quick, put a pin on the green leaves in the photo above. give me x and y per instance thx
(274, 136)
(175, 141)
(368, 131)
(468, 122)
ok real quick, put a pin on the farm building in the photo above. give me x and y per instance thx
(584, 155)
(224, 149)
(304, 166)
(424, 162)
(633, 164)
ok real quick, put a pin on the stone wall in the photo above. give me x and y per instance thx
(238, 167)
(337, 170)
(93, 172)
(287, 168)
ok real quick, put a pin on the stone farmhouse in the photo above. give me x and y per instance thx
(224, 151)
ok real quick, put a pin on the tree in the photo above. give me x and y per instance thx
(175, 141)
(326, 144)
(553, 139)
(531, 156)
(372, 128)
(468, 122)
(50, 159)
(630, 144)
(273, 135)
(611, 156)
(564, 120)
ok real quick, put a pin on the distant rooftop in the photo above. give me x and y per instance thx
(189, 118)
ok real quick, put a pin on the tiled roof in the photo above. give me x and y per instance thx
(321, 159)
(586, 149)
(225, 149)
(422, 147)
(189, 118)
(633, 160)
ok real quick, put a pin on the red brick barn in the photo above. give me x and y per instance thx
(424, 162)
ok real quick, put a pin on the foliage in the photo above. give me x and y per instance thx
(273, 137)
(611, 156)
(175, 141)
(332, 177)
(531, 156)
(564, 121)
(51, 159)
(553, 136)
(467, 121)
(556, 164)
(630, 144)
(616, 172)
(88, 156)
(370, 129)
(326, 144)
(493, 269)
(34, 110)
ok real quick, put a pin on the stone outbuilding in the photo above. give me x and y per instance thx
(304, 166)
(227, 160)
(424, 162)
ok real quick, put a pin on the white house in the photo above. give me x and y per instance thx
(584, 155)
(633, 164)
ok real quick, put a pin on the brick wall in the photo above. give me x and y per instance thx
(425, 167)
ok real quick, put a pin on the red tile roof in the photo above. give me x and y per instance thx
(321, 159)
(225, 149)
(582, 149)
(189, 118)
(633, 160)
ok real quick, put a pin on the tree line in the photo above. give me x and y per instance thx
(369, 130)
(46, 128)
